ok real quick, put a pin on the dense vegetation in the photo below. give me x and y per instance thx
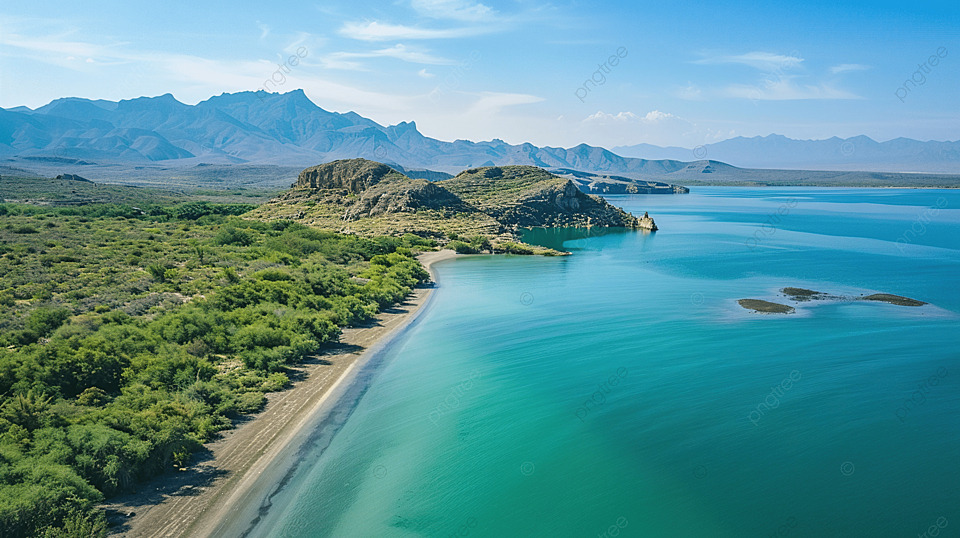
(131, 335)
(65, 192)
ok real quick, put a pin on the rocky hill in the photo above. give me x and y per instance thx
(527, 196)
(370, 189)
(367, 197)
(609, 184)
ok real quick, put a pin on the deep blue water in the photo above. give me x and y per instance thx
(622, 390)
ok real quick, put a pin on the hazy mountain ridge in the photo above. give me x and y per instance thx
(860, 153)
(261, 139)
(263, 128)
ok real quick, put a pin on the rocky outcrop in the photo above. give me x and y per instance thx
(646, 222)
(72, 177)
(591, 183)
(354, 175)
(527, 196)
(367, 196)
(363, 189)
(403, 196)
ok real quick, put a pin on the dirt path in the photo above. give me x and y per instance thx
(226, 490)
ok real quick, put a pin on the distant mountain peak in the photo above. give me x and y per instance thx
(288, 129)
(859, 152)
(165, 98)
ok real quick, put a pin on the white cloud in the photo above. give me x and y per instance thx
(652, 117)
(345, 60)
(690, 92)
(654, 127)
(425, 74)
(401, 52)
(782, 81)
(55, 48)
(133, 73)
(377, 31)
(845, 68)
(785, 88)
(764, 61)
(264, 30)
(491, 103)
(461, 10)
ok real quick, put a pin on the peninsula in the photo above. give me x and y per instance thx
(365, 197)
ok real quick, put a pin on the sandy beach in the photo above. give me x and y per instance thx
(222, 494)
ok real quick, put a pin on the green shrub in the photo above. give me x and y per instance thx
(462, 248)
(510, 247)
(250, 402)
(276, 381)
(44, 321)
(157, 271)
(230, 274)
(229, 235)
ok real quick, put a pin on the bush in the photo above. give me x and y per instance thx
(480, 243)
(510, 247)
(44, 321)
(462, 248)
(276, 381)
(157, 271)
(230, 274)
(250, 402)
(229, 235)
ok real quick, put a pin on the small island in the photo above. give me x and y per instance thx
(766, 307)
(802, 295)
(893, 299)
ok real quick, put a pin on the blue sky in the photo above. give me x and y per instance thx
(523, 71)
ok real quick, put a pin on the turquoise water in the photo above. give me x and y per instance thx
(621, 391)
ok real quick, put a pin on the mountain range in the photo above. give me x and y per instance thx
(270, 134)
(777, 151)
(262, 128)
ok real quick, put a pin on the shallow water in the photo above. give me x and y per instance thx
(623, 391)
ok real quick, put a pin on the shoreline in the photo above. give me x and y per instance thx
(249, 463)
